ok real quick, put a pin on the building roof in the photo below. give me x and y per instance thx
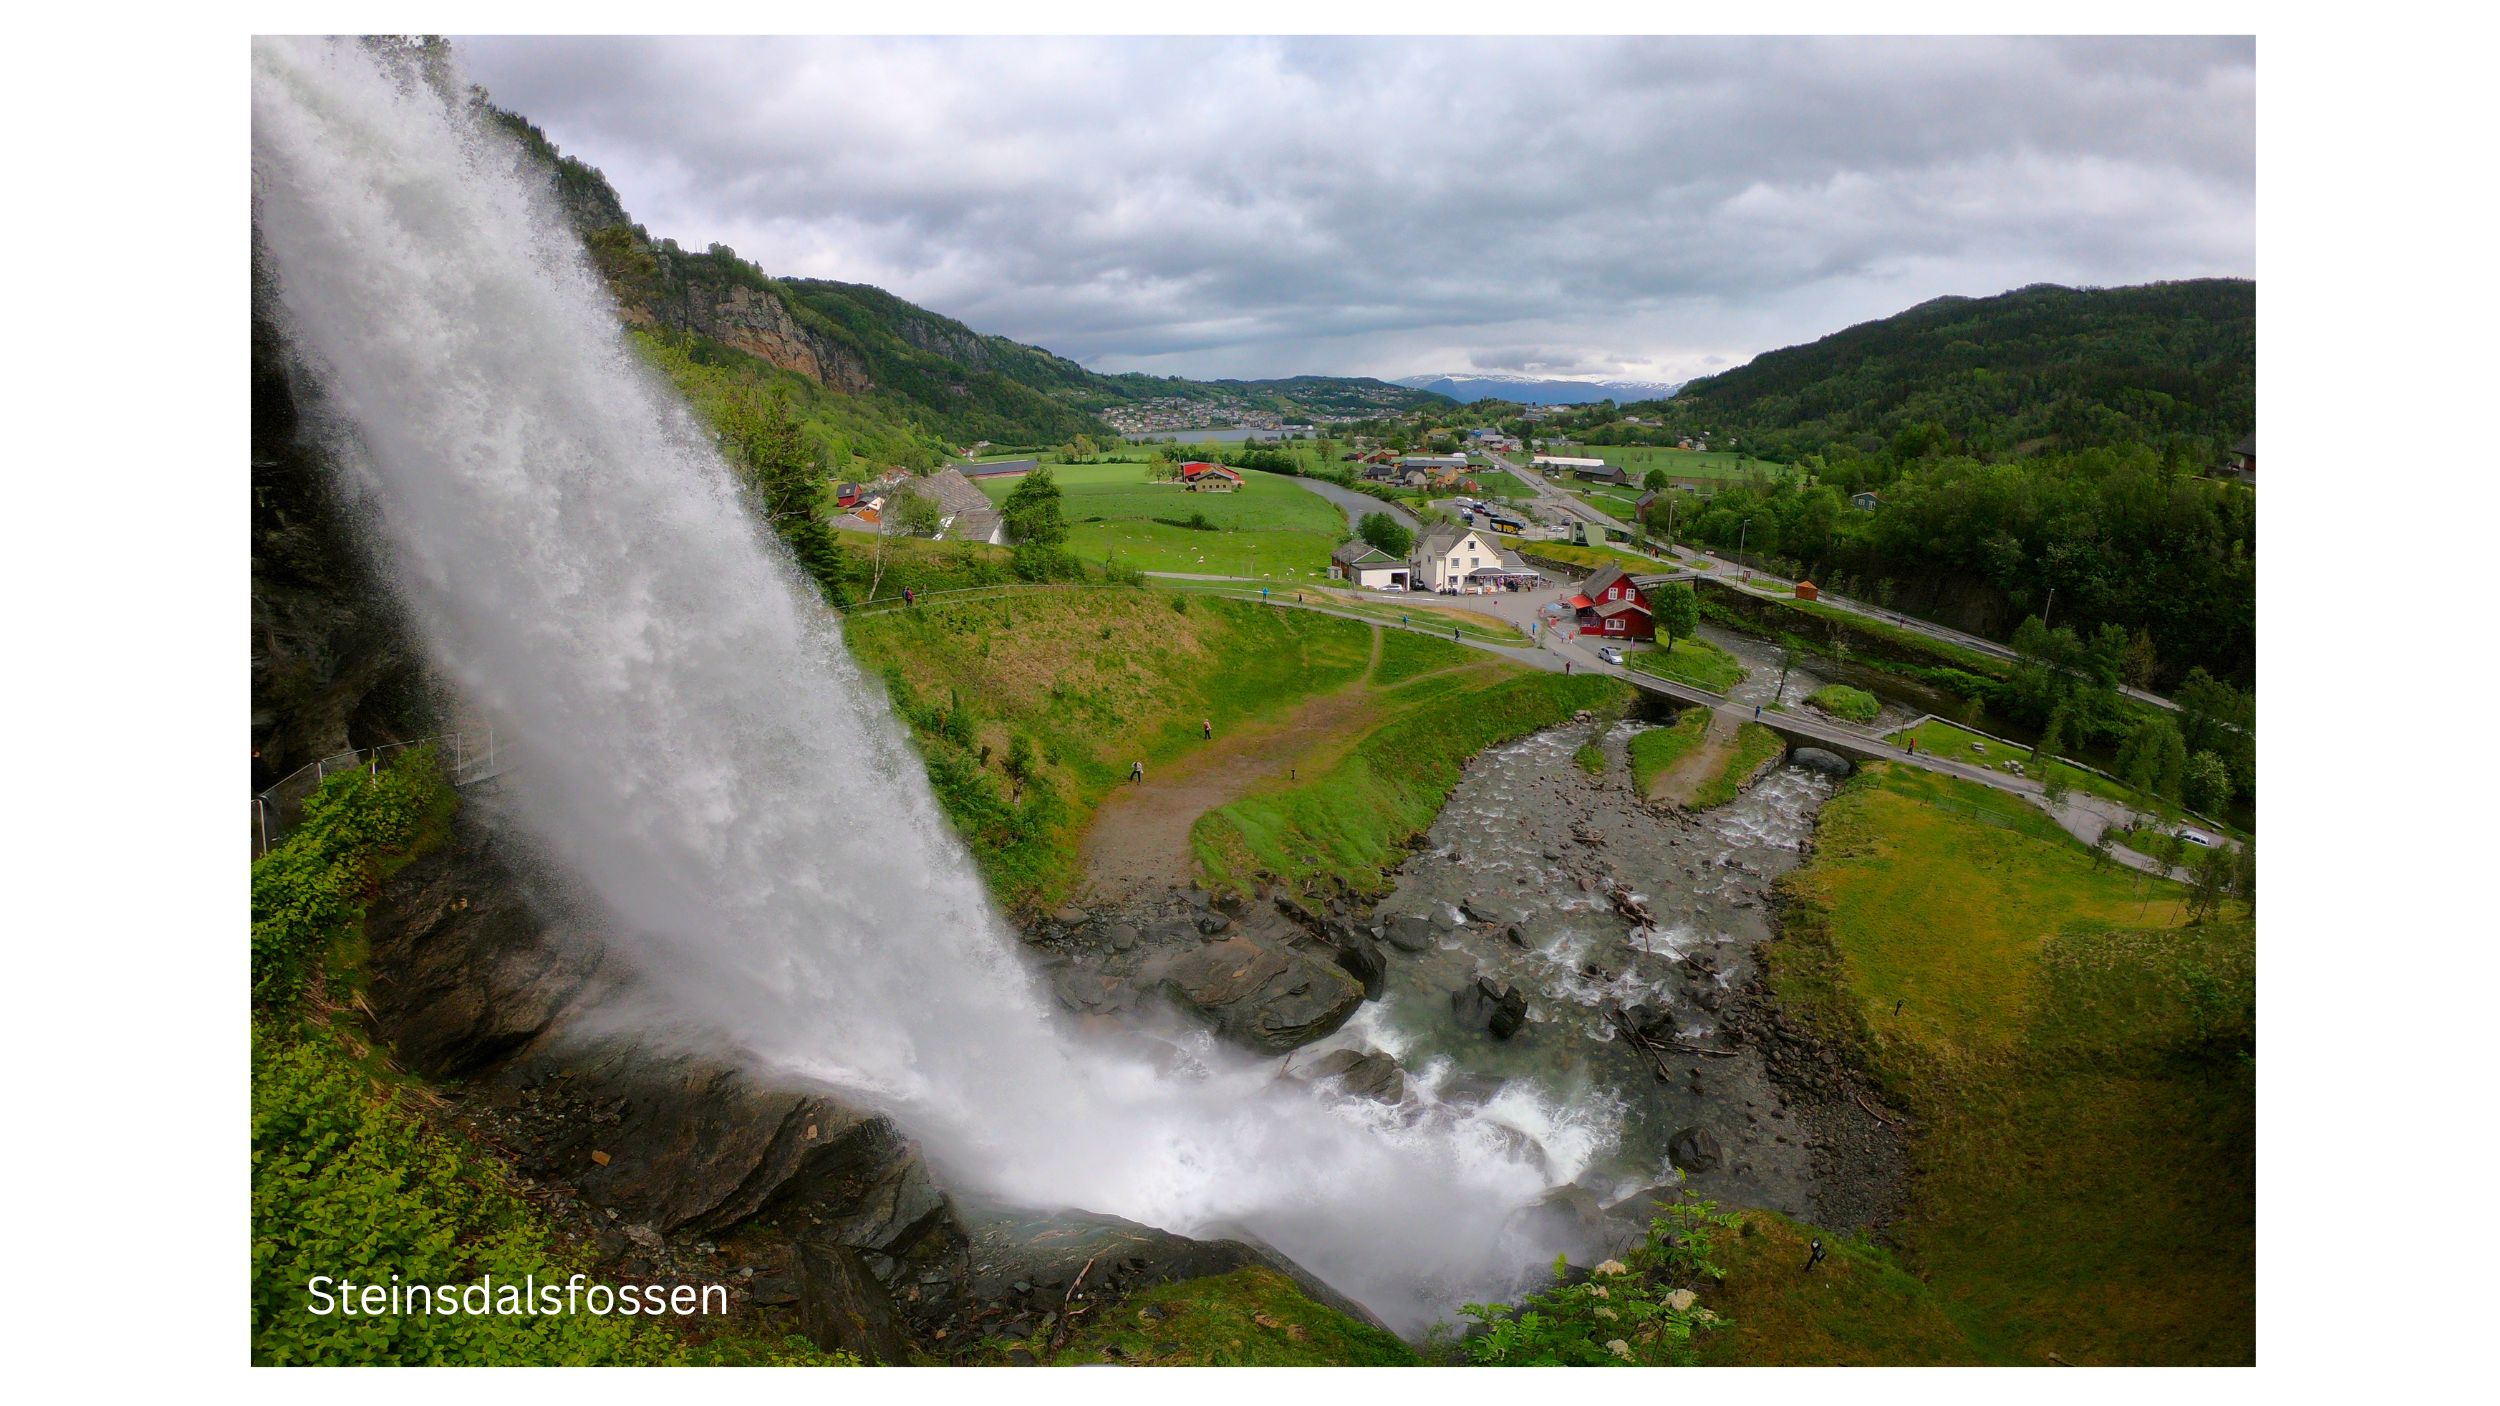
(1609, 609)
(1598, 581)
(1361, 553)
(1003, 466)
(1559, 462)
(1440, 538)
(1199, 469)
(1434, 461)
(969, 516)
(2247, 444)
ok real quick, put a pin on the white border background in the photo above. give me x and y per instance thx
(127, 582)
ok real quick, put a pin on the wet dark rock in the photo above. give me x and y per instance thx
(1483, 1005)
(1121, 937)
(842, 1307)
(1366, 1073)
(1695, 1150)
(1410, 932)
(774, 1289)
(1261, 993)
(1365, 962)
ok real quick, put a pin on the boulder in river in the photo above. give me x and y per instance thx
(1410, 932)
(1494, 1009)
(1364, 961)
(1695, 1150)
(1365, 1073)
(1261, 993)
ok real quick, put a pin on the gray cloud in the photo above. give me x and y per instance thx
(1652, 207)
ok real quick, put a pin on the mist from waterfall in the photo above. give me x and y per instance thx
(704, 757)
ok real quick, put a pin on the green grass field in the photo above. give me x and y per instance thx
(1841, 701)
(1638, 460)
(1252, 1317)
(1694, 661)
(1653, 750)
(1349, 828)
(2078, 1071)
(1590, 558)
(1755, 744)
(1093, 679)
(1270, 527)
(1421, 611)
(1942, 738)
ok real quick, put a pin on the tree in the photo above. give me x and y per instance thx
(2153, 760)
(1678, 614)
(1386, 533)
(2206, 783)
(1655, 480)
(1032, 511)
(911, 514)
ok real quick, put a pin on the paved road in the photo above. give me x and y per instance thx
(1356, 504)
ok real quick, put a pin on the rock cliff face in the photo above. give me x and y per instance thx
(332, 665)
(486, 980)
(751, 319)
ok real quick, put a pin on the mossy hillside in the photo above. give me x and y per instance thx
(1253, 1317)
(1090, 681)
(2078, 1070)
(1347, 829)
(351, 1178)
(1694, 661)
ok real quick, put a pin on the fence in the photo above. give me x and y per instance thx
(468, 757)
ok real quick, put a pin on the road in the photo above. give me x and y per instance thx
(1356, 504)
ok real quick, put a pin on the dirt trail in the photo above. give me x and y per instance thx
(1696, 768)
(1138, 845)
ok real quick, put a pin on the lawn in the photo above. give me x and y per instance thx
(1419, 611)
(1943, 739)
(2079, 1071)
(1093, 679)
(1271, 526)
(1755, 745)
(1841, 701)
(1638, 460)
(1348, 829)
(1653, 751)
(1694, 661)
(1573, 554)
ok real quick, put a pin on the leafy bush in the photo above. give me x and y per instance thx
(1642, 1310)
(311, 890)
(1842, 701)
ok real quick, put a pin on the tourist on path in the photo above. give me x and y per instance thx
(1136, 772)
(1207, 729)
(1814, 1254)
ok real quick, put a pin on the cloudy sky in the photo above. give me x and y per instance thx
(1637, 208)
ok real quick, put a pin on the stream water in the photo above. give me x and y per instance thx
(1530, 842)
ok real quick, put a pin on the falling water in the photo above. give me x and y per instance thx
(705, 757)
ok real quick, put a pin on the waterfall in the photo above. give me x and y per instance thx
(704, 757)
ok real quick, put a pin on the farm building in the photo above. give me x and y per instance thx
(1359, 563)
(1209, 478)
(1004, 468)
(966, 513)
(1806, 591)
(1864, 501)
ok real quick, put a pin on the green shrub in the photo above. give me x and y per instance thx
(1642, 1310)
(1841, 701)
(311, 890)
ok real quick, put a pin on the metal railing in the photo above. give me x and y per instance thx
(468, 757)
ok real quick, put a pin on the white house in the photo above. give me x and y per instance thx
(1365, 565)
(1447, 554)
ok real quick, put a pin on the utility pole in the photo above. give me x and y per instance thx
(2044, 610)
(1741, 529)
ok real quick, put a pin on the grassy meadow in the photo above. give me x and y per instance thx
(1694, 661)
(1269, 527)
(1652, 751)
(2078, 1069)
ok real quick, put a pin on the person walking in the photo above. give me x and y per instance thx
(1206, 729)
(907, 595)
(1814, 1254)
(1136, 773)
(1757, 712)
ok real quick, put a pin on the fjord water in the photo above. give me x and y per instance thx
(705, 759)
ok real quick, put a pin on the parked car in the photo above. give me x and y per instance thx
(2194, 838)
(1610, 654)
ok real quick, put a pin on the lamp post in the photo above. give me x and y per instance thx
(1741, 529)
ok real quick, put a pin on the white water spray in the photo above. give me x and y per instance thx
(704, 756)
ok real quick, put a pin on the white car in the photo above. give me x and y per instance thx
(1610, 654)
(2194, 838)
